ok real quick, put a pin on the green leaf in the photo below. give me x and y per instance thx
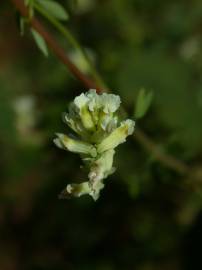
(22, 25)
(54, 8)
(40, 42)
(143, 103)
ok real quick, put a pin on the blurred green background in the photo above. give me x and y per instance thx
(148, 217)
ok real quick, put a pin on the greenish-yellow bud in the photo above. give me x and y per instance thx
(117, 137)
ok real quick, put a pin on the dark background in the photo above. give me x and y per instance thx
(148, 216)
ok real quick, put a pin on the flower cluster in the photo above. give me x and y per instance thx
(96, 132)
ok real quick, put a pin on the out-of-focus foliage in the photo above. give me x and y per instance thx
(41, 44)
(148, 217)
(54, 9)
(143, 102)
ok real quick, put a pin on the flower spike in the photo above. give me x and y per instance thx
(98, 132)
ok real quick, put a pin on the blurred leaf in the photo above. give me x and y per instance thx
(21, 21)
(175, 99)
(40, 42)
(143, 103)
(54, 8)
(22, 25)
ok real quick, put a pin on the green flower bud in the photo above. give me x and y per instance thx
(81, 102)
(86, 119)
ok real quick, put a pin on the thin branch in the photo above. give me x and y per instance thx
(72, 40)
(56, 48)
(168, 160)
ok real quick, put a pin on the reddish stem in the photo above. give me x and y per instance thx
(56, 48)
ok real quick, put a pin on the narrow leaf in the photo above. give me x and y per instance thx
(22, 26)
(40, 42)
(54, 8)
(143, 103)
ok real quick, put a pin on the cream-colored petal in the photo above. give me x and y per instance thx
(117, 137)
(73, 145)
(110, 102)
(81, 101)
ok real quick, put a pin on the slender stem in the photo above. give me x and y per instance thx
(71, 39)
(55, 47)
(169, 161)
(166, 159)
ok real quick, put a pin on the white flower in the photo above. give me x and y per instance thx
(94, 121)
(110, 103)
(81, 101)
(94, 102)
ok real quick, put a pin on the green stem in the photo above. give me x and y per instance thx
(71, 39)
